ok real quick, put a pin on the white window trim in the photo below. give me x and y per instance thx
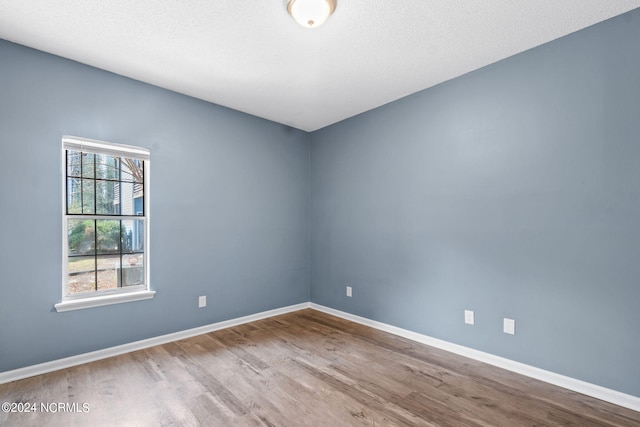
(112, 296)
(98, 301)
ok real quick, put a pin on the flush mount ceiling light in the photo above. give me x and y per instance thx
(311, 13)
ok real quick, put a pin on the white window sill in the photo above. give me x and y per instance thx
(79, 304)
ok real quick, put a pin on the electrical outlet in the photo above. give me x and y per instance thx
(349, 291)
(202, 301)
(469, 318)
(509, 326)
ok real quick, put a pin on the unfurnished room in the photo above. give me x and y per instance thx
(320, 213)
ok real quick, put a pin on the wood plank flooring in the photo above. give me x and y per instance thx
(300, 369)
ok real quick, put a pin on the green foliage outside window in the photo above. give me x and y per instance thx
(82, 236)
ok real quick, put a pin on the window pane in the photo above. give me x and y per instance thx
(87, 165)
(132, 170)
(81, 237)
(131, 197)
(88, 196)
(82, 274)
(108, 272)
(138, 199)
(74, 196)
(132, 270)
(107, 167)
(106, 203)
(108, 236)
(132, 235)
(74, 167)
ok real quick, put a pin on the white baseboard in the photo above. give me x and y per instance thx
(67, 362)
(602, 393)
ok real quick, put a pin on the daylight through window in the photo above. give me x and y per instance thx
(105, 218)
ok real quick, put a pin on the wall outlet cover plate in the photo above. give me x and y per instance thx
(469, 317)
(509, 326)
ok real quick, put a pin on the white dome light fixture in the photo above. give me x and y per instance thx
(311, 13)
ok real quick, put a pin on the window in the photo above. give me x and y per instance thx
(105, 224)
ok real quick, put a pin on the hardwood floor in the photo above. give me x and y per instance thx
(300, 369)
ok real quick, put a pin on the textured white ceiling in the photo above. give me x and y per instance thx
(251, 56)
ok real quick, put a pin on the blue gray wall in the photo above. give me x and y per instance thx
(229, 207)
(513, 191)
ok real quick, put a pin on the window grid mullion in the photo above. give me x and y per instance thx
(144, 194)
(66, 180)
(95, 221)
(121, 258)
(120, 188)
(95, 252)
(120, 191)
(81, 185)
